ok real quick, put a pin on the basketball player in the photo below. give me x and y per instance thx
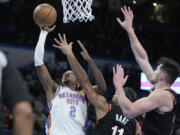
(68, 108)
(110, 119)
(159, 106)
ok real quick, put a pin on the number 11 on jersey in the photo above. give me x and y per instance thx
(116, 130)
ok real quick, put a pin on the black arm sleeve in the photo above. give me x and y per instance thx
(14, 89)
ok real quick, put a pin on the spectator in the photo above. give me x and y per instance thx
(15, 96)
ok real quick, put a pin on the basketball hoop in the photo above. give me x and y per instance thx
(77, 10)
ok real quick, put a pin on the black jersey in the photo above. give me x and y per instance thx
(114, 123)
(159, 123)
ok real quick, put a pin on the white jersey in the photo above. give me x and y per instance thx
(68, 111)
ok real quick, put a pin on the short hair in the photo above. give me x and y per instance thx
(130, 93)
(171, 69)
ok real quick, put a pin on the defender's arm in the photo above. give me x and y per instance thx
(100, 81)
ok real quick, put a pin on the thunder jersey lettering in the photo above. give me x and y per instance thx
(68, 111)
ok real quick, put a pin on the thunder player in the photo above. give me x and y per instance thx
(159, 106)
(110, 119)
(68, 108)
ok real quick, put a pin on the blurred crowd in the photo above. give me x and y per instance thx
(103, 33)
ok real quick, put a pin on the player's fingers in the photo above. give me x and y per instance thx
(44, 28)
(82, 54)
(52, 28)
(126, 77)
(114, 72)
(64, 37)
(60, 37)
(71, 43)
(119, 21)
(122, 71)
(55, 46)
(128, 9)
(131, 14)
(118, 67)
(57, 41)
(123, 11)
(81, 45)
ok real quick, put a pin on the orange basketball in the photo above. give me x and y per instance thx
(44, 15)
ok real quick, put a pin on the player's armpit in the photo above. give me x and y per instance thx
(99, 90)
(97, 100)
(48, 84)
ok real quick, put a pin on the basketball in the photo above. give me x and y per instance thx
(44, 15)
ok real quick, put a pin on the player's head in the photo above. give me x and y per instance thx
(130, 93)
(167, 70)
(69, 78)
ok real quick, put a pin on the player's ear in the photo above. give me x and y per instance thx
(161, 76)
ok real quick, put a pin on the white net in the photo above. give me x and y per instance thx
(77, 10)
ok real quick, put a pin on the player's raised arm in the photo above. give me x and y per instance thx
(81, 75)
(138, 107)
(100, 81)
(138, 50)
(43, 74)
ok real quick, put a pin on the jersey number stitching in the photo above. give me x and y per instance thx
(115, 130)
(72, 112)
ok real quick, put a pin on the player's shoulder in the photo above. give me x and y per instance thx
(162, 92)
(160, 95)
(80, 92)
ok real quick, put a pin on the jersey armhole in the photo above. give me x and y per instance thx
(174, 102)
(57, 90)
(172, 94)
(56, 93)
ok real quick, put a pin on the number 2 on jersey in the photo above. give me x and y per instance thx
(72, 112)
(115, 130)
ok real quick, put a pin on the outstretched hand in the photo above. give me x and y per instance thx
(84, 52)
(118, 76)
(63, 45)
(48, 29)
(128, 18)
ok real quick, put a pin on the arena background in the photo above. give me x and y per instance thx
(156, 23)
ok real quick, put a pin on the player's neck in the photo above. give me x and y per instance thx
(70, 86)
(161, 85)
